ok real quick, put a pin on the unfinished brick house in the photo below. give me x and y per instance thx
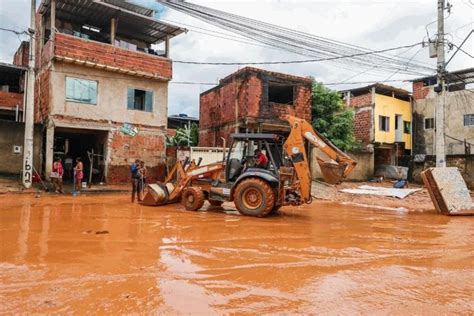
(382, 121)
(11, 91)
(101, 88)
(252, 100)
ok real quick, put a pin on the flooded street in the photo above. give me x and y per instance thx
(102, 254)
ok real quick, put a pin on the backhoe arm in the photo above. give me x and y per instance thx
(295, 149)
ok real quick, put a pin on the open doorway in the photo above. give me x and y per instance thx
(89, 145)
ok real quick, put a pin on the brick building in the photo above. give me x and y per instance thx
(382, 121)
(12, 83)
(459, 113)
(459, 123)
(252, 100)
(101, 88)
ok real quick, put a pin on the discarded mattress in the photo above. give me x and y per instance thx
(369, 190)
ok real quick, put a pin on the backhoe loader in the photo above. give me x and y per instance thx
(255, 191)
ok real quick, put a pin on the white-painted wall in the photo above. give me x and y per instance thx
(112, 96)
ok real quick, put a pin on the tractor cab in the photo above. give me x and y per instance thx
(243, 157)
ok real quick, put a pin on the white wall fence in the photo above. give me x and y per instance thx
(208, 154)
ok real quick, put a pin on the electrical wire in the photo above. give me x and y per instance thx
(294, 61)
(290, 40)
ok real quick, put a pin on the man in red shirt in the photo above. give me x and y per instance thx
(261, 159)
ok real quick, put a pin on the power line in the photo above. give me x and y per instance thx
(216, 83)
(291, 40)
(294, 61)
(14, 31)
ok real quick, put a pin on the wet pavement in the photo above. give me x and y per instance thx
(101, 254)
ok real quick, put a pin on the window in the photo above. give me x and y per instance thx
(469, 120)
(282, 94)
(384, 123)
(140, 100)
(406, 127)
(429, 123)
(81, 90)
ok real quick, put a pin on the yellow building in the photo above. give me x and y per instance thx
(383, 116)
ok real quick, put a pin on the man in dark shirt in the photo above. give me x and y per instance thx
(135, 178)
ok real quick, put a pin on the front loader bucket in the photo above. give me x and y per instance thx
(157, 194)
(332, 173)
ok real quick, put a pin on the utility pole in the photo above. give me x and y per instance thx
(29, 106)
(441, 89)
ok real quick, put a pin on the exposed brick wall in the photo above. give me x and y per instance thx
(11, 99)
(363, 125)
(148, 145)
(419, 90)
(21, 56)
(361, 100)
(106, 54)
(42, 95)
(250, 85)
(212, 138)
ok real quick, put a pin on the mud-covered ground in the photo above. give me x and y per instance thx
(102, 254)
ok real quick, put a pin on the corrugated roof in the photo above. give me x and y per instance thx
(465, 76)
(133, 21)
(377, 86)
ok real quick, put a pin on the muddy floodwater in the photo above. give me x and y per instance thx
(102, 254)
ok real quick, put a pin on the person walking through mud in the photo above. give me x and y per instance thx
(135, 177)
(78, 174)
(143, 175)
(57, 175)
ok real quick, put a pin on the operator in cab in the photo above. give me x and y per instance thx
(261, 160)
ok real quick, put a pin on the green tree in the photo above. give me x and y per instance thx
(331, 118)
(184, 136)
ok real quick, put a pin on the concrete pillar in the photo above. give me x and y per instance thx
(49, 149)
(167, 46)
(113, 30)
(53, 19)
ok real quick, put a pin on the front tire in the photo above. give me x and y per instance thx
(254, 197)
(192, 198)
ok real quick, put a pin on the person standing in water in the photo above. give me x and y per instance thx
(78, 174)
(142, 177)
(58, 172)
(135, 177)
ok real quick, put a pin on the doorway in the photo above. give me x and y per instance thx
(89, 145)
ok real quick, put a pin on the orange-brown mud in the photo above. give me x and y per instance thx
(101, 254)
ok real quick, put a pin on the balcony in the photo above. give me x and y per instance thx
(106, 34)
(10, 100)
(89, 53)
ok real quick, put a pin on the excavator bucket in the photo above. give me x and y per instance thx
(158, 194)
(332, 173)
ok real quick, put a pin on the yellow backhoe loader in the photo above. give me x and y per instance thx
(255, 191)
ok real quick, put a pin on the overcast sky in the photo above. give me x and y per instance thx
(371, 24)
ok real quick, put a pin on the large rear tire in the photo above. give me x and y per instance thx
(254, 197)
(192, 198)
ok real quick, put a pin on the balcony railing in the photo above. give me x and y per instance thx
(9, 100)
(99, 55)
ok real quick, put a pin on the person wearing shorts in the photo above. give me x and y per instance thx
(78, 174)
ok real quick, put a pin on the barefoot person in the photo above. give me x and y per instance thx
(57, 175)
(78, 174)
